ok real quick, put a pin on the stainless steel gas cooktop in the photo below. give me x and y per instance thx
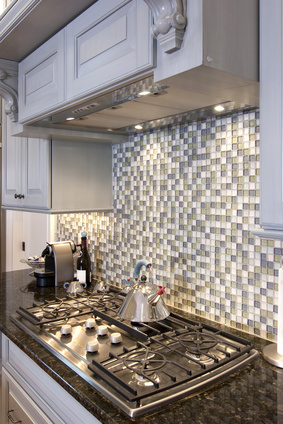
(137, 366)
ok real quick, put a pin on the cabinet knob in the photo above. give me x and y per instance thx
(19, 196)
(11, 418)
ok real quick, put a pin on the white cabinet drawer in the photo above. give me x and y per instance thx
(108, 43)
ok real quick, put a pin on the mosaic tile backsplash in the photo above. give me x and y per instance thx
(186, 197)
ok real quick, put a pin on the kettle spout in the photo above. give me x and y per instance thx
(138, 267)
(154, 298)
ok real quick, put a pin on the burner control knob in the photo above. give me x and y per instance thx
(102, 330)
(90, 323)
(66, 329)
(92, 346)
(116, 338)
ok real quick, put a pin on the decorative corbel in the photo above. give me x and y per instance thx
(8, 82)
(170, 21)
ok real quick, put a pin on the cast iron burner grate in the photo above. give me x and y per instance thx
(167, 356)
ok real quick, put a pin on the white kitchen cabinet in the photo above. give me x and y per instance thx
(33, 396)
(41, 79)
(107, 44)
(55, 176)
(271, 120)
(17, 406)
(25, 170)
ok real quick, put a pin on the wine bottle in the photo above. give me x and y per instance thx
(83, 262)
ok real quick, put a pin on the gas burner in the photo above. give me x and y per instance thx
(197, 342)
(144, 362)
(109, 301)
(56, 309)
(203, 359)
(145, 381)
(102, 301)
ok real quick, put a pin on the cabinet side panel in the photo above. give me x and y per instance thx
(230, 33)
(271, 120)
(83, 175)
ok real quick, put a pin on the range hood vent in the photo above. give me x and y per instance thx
(123, 109)
(85, 108)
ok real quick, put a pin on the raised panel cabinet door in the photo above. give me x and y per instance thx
(55, 403)
(108, 43)
(36, 174)
(18, 407)
(41, 79)
(13, 152)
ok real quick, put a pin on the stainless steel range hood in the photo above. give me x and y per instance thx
(217, 63)
(122, 109)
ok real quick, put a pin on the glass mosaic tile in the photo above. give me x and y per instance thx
(186, 197)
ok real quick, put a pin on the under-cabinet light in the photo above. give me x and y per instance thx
(138, 127)
(70, 119)
(144, 93)
(219, 108)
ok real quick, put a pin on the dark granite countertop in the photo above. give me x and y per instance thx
(251, 395)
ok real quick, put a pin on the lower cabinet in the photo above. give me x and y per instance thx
(29, 395)
(18, 407)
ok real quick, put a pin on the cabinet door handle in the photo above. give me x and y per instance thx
(19, 196)
(11, 418)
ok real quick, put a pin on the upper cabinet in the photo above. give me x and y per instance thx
(105, 45)
(41, 79)
(195, 53)
(25, 176)
(271, 120)
(55, 176)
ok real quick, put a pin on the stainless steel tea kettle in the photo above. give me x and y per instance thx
(143, 303)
